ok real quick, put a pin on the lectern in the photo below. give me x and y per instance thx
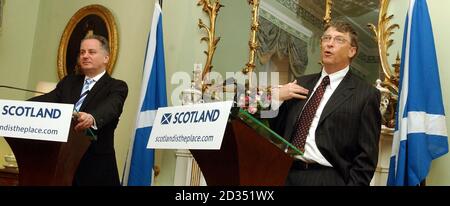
(250, 155)
(48, 163)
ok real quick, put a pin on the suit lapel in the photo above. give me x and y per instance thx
(343, 92)
(76, 89)
(97, 87)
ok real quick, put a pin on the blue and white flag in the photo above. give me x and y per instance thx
(420, 132)
(139, 166)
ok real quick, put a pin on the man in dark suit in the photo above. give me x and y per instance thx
(333, 117)
(98, 100)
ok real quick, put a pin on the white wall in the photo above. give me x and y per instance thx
(29, 44)
(16, 47)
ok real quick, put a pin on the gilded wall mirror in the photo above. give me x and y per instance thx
(359, 14)
(92, 19)
(284, 36)
(289, 32)
(372, 62)
(290, 29)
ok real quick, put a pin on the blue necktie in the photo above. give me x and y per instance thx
(84, 93)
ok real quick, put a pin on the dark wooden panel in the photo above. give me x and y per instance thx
(245, 158)
(9, 177)
(46, 163)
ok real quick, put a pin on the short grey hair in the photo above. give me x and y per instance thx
(103, 41)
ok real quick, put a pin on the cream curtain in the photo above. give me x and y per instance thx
(276, 41)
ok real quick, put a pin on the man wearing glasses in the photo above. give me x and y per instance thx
(333, 117)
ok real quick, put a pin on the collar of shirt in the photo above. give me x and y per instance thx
(335, 78)
(97, 77)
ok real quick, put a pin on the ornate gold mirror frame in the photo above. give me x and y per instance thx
(382, 35)
(92, 19)
(253, 43)
(388, 87)
(328, 6)
(212, 9)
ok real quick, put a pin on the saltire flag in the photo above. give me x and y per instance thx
(139, 166)
(420, 133)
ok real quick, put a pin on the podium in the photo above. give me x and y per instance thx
(250, 155)
(48, 163)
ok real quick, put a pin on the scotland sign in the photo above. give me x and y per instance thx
(198, 126)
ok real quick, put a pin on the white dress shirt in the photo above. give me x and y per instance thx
(312, 153)
(96, 78)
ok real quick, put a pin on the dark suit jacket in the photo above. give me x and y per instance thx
(349, 128)
(104, 102)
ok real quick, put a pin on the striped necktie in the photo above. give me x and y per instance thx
(84, 93)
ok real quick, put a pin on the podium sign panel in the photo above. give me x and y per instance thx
(35, 120)
(251, 155)
(198, 126)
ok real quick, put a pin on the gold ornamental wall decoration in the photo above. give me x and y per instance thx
(253, 43)
(388, 87)
(382, 35)
(212, 9)
(328, 6)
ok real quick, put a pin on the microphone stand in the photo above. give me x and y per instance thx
(21, 89)
(75, 113)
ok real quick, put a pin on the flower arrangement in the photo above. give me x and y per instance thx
(255, 102)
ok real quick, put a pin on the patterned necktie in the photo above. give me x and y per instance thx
(307, 115)
(84, 93)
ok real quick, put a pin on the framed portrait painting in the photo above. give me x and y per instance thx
(92, 19)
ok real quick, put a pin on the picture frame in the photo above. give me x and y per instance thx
(92, 19)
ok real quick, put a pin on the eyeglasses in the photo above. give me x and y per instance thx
(337, 39)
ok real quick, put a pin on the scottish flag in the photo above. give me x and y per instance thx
(138, 169)
(420, 132)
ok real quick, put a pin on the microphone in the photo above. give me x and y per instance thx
(20, 89)
(75, 114)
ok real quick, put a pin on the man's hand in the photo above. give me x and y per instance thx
(289, 91)
(85, 120)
